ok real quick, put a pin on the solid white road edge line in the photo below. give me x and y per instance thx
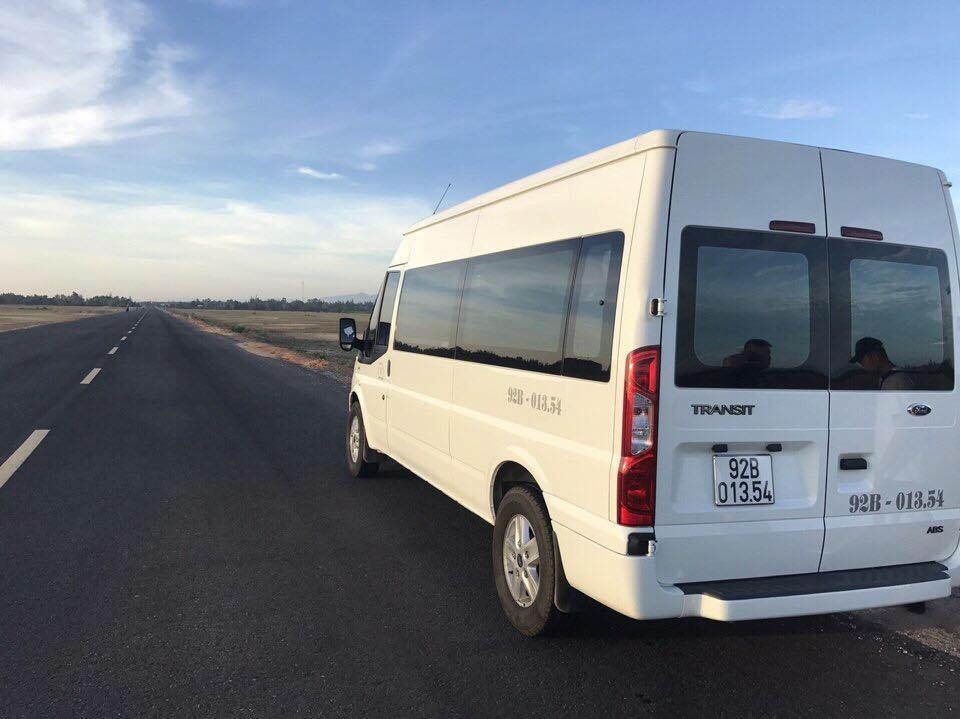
(20, 456)
(113, 351)
(89, 378)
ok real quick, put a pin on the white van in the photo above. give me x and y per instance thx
(686, 375)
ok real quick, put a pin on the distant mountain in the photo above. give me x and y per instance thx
(358, 297)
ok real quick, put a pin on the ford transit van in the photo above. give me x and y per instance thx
(688, 375)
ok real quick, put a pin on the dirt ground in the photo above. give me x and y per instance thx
(18, 317)
(305, 338)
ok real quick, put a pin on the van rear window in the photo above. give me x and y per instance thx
(891, 320)
(752, 310)
(753, 306)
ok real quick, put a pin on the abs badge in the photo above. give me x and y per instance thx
(919, 410)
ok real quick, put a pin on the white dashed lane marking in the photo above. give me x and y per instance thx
(113, 351)
(122, 339)
(20, 456)
(90, 375)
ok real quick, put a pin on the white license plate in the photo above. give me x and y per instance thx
(740, 479)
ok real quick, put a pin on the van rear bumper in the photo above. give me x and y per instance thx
(801, 594)
(629, 585)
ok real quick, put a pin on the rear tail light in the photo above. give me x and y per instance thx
(637, 477)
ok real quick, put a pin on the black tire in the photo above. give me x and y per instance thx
(356, 464)
(540, 615)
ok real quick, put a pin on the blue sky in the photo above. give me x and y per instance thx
(241, 147)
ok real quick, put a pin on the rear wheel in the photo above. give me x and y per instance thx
(357, 447)
(524, 564)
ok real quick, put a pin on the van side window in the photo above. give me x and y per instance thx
(891, 319)
(515, 307)
(593, 308)
(752, 310)
(386, 309)
(429, 303)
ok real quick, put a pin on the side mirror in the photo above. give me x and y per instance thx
(348, 334)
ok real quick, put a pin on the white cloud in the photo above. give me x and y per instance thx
(374, 151)
(75, 72)
(917, 116)
(792, 109)
(317, 175)
(381, 148)
(206, 247)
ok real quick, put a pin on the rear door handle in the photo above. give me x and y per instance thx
(853, 463)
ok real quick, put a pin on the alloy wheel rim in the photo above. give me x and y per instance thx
(521, 560)
(355, 439)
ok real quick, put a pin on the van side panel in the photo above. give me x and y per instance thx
(569, 452)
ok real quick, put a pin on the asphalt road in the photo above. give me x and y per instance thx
(186, 541)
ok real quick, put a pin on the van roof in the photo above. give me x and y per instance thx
(641, 143)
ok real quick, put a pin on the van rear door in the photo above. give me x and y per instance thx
(744, 405)
(893, 489)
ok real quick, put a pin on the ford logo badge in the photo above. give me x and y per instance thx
(919, 410)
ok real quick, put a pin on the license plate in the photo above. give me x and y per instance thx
(740, 479)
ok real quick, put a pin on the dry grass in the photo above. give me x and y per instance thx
(309, 337)
(17, 317)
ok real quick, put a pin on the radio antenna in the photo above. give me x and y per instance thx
(441, 198)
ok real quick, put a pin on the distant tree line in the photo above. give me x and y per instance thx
(274, 305)
(73, 299)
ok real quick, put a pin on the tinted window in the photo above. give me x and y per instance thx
(515, 307)
(890, 317)
(751, 310)
(427, 315)
(386, 309)
(371, 332)
(593, 308)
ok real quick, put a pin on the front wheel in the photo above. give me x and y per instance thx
(357, 447)
(524, 564)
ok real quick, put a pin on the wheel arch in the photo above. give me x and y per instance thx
(515, 466)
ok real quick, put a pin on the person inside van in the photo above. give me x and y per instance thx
(749, 364)
(870, 354)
